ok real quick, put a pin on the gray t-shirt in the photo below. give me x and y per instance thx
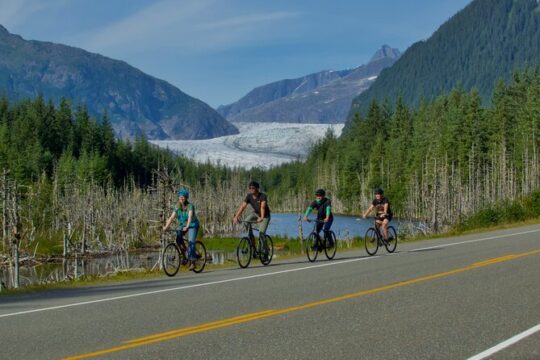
(255, 202)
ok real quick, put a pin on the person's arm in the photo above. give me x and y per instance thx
(190, 216)
(308, 211)
(169, 221)
(239, 211)
(328, 212)
(263, 211)
(368, 211)
(386, 209)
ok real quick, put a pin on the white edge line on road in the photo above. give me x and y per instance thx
(250, 277)
(186, 287)
(473, 241)
(505, 343)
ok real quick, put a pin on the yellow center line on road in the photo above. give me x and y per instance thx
(269, 313)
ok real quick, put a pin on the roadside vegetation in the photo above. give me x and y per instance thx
(69, 187)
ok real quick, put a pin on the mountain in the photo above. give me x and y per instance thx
(485, 41)
(134, 101)
(323, 97)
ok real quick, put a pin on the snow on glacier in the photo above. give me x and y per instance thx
(257, 145)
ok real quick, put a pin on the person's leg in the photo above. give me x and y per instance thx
(385, 229)
(192, 237)
(326, 229)
(263, 226)
(390, 236)
(318, 228)
(179, 238)
(251, 217)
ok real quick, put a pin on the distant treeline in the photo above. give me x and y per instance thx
(440, 162)
(63, 175)
(38, 139)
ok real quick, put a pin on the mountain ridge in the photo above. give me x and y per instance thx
(321, 97)
(136, 103)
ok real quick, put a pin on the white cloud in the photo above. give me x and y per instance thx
(189, 26)
(15, 12)
(249, 20)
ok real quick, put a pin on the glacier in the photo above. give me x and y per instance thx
(261, 145)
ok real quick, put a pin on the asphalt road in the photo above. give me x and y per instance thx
(450, 298)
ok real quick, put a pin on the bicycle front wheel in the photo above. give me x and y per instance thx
(171, 259)
(312, 247)
(200, 257)
(371, 242)
(391, 243)
(330, 245)
(267, 254)
(244, 252)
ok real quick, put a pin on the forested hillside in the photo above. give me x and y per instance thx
(484, 42)
(440, 162)
(138, 104)
(65, 176)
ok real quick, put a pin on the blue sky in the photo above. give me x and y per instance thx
(218, 50)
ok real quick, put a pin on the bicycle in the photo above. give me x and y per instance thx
(175, 256)
(246, 250)
(314, 243)
(374, 239)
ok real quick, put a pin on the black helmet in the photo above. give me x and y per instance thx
(254, 184)
(320, 192)
(379, 191)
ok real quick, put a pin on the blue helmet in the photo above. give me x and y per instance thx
(183, 192)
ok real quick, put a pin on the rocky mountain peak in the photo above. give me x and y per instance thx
(385, 51)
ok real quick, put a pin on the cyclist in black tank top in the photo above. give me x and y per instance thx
(384, 212)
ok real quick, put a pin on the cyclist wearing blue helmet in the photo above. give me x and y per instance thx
(184, 211)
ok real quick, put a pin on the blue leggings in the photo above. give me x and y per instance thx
(192, 237)
(325, 226)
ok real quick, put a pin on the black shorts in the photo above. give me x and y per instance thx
(381, 218)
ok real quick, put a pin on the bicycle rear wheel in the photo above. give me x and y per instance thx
(330, 251)
(391, 243)
(171, 259)
(244, 252)
(266, 256)
(371, 242)
(312, 247)
(200, 257)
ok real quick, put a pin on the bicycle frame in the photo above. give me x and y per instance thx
(390, 243)
(264, 252)
(314, 231)
(251, 235)
(326, 243)
(197, 264)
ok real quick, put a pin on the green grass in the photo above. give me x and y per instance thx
(83, 281)
(284, 247)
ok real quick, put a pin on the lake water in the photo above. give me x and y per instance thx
(345, 227)
(282, 225)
